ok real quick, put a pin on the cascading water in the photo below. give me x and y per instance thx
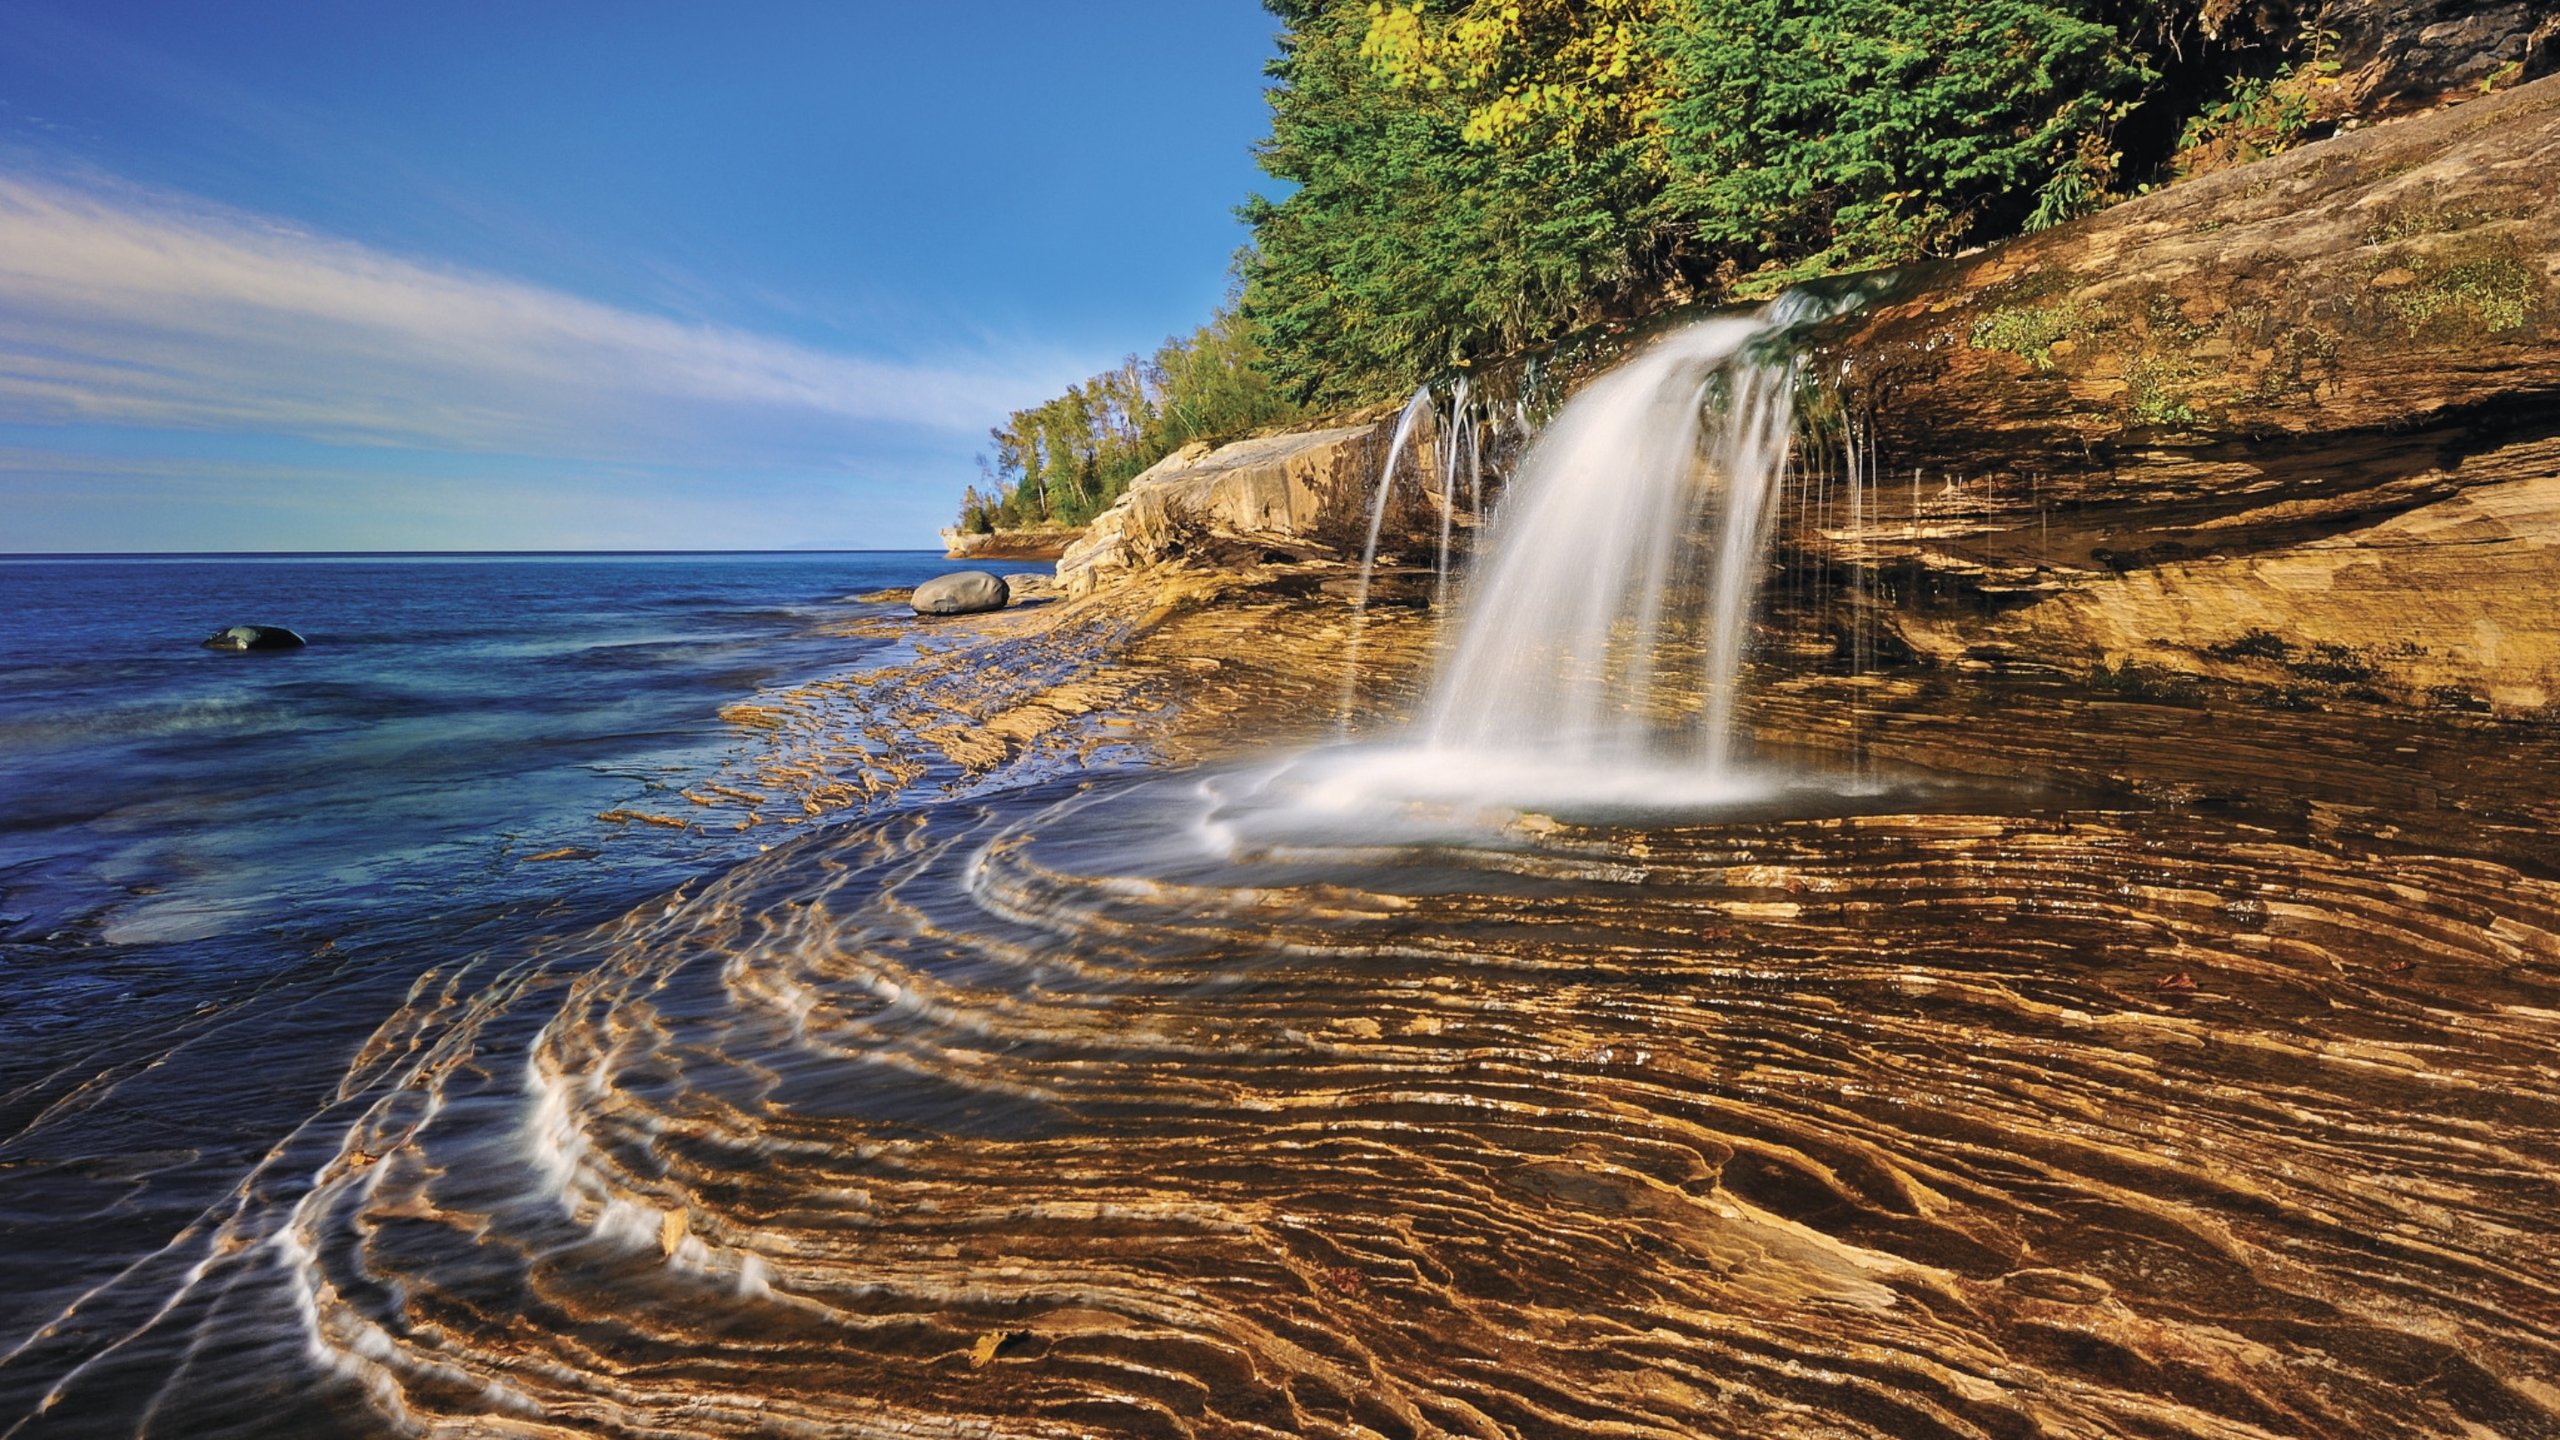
(1456, 433)
(1598, 645)
(1563, 647)
(1414, 410)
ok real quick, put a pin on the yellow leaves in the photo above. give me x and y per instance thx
(1552, 71)
(1398, 48)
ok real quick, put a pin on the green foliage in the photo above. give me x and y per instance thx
(2030, 331)
(2484, 287)
(1469, 179)
(1407, 248)
(2153, 394)
(1818, 135)
(1476, 177)
(1065, 461)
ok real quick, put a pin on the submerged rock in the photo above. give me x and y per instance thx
(254, 637)
(963, 592)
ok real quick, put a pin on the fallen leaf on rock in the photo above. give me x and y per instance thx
(984, 1352)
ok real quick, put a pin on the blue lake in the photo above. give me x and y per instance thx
(219, 871)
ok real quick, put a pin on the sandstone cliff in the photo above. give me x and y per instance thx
(2292, 425)
(1042, 544)
(2295, 420)
(1273, 499)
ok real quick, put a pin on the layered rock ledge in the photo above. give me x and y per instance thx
(2295, 421)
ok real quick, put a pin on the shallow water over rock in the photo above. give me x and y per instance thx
(2169, 1097)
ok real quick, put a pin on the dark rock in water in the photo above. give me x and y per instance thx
(963, 592)
(254, 637)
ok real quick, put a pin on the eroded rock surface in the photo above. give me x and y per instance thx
(1042, 544)
(2316, 398)
(2401, 55)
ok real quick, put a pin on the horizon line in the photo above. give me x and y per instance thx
(396, 554)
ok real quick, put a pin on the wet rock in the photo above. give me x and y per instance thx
(963, 592)
(254, 637)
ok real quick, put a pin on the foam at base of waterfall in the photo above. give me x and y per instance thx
(1402, 794)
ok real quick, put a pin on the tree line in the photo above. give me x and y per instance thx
(1065, 461)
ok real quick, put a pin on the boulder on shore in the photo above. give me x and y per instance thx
(963, 592)
(254, 637)
(1281, 496)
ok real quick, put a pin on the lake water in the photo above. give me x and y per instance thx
(219, 871)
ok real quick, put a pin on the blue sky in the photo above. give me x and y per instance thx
(328, 275)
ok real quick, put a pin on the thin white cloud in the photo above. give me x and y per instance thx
(129, 308)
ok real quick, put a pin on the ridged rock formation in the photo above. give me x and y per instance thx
(1045, 544)
(2301, 419)
(2401, 55)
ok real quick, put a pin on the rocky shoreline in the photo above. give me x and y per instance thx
(1042, 544)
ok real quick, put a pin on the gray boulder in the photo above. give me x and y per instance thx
(254, 637)
(963, 592)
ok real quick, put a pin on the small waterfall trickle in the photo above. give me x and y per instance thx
(1414, 410)
(1451, 429)
(1597, 559)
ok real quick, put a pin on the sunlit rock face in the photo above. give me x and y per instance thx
(2315, 399)
(1298, 495)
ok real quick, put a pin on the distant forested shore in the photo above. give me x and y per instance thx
(1468, 181)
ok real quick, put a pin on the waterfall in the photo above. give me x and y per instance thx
(1630, 544)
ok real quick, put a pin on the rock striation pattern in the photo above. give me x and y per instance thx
(1959, 1117)
(2309, 407)
(2402, 55)
(1042, 544)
